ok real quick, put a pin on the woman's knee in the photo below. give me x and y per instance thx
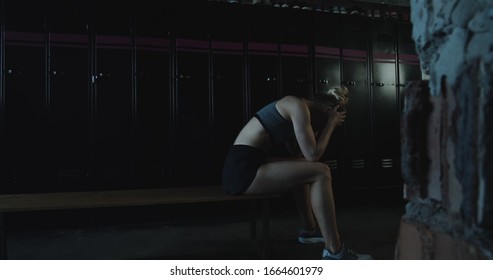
(323, 171)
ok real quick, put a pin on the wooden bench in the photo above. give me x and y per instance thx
(131, 197)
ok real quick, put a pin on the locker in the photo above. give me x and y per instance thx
(263, 77)
(327, 52)
(295, 42)
(192, 116)
(327, 43)
(153, 93)
(409, 66)
(357, 140)
(25, 97)
(228, 87)
(192, 104)
(113, 99)
(295, 70)
(263, 59)
(385, 106)
(68, 93)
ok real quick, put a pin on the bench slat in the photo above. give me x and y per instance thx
(113, 198)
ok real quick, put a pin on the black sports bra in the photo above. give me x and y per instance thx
(279, 129)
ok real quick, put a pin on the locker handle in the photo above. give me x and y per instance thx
(57, 73)
(378, 84)
(183, 76)
(349, 83)
(324, 81)
(97, 76)
(13, 72)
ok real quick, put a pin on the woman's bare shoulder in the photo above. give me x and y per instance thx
(291, 105)
(291, 100)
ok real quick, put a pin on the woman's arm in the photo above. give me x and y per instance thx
(312, 147)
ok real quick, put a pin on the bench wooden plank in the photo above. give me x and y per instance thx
(115, 198)
(129, 197)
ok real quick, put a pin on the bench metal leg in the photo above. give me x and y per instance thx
(3, 238)
(253, 220)
(264, 243)
(265, 229)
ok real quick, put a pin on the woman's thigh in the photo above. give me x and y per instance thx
(280, 176)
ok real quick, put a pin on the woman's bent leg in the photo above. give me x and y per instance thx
(302, 199)
(282, 176)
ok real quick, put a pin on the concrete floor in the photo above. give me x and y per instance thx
(220, 231)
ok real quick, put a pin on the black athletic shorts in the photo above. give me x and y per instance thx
(240, 168)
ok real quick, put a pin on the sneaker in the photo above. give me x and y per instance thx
(344, 254)
(310, 237)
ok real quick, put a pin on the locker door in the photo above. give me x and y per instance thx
(409, 67)
(228, 87)
(153, 94)
(192, 108)
(24, 147)
(263, 59)
(357, 124)
(386, 133)
(327, 40)
(113, 100)
(296, 39)
(69, 93)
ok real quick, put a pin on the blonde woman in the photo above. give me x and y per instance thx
(303, 127)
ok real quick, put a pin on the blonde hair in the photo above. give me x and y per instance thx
(336, 95)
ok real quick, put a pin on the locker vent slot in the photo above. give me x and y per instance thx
(357, 163)
(387, 163)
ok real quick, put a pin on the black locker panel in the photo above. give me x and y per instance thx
(409, 69)
(153, 94)
(192, 118)
(295, 70)
(295, 42)
(228, 87)
(327, 44)
(113, 105)
(263, 75)
(228, 96)
(327, 51)
(409, 66)
(357, 126)
(385, 106)
(69, 93)
(405, 43)
(25, 98)
(263, 59)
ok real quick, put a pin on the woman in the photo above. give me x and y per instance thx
(304, 127)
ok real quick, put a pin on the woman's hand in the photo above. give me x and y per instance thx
(337, 117)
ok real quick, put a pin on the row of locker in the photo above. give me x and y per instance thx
(153, 96)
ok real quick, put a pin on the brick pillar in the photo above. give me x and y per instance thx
(447, 134)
